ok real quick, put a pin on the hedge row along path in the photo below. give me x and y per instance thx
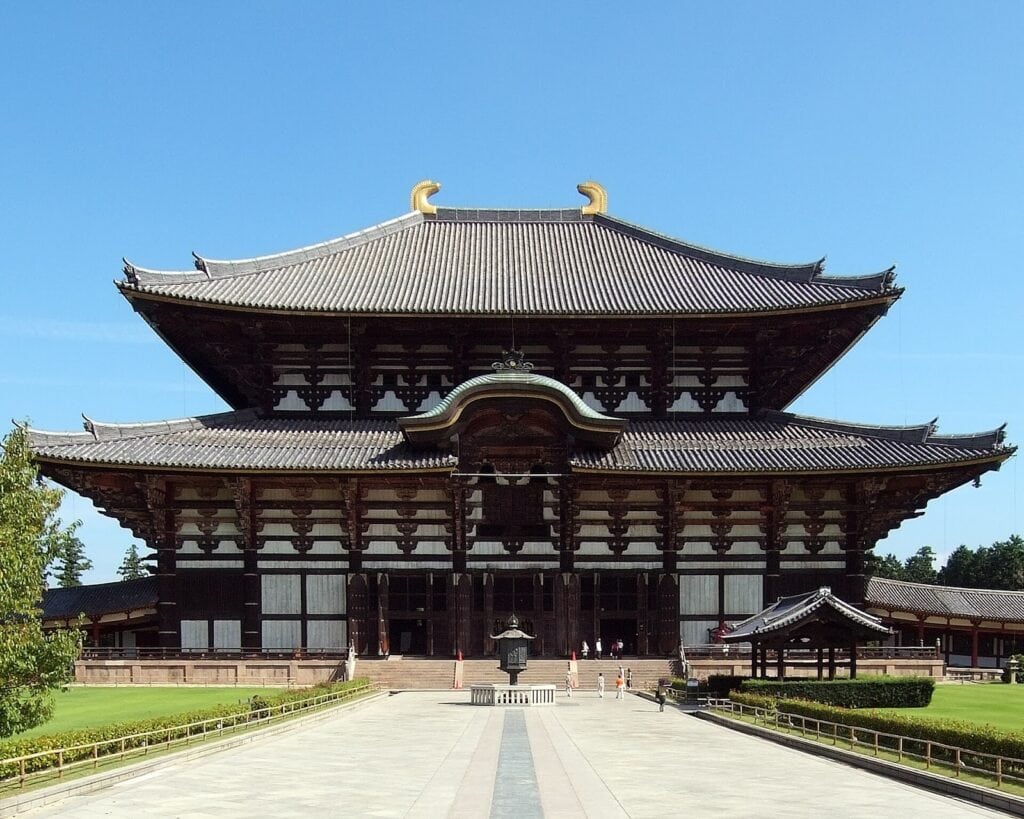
(430, 754)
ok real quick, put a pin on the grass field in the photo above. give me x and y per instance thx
(994, 703)
(91, 707)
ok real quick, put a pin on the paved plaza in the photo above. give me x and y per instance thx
(434, 755)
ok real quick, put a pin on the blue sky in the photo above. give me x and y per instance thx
(873, 133)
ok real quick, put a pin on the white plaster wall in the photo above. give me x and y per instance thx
(325, 594)
(282, 634)
(195, 634)
(227, 634)
(698, 594)
(281, 593)
(743, 594)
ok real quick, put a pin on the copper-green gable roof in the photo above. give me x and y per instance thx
(588, 424)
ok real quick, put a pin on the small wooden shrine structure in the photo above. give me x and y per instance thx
(816, 620)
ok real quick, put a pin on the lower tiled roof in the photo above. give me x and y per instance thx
(101, 598)
(774, 443)
(241, 441)
(945, 601)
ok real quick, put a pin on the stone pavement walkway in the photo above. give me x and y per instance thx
(432, 754)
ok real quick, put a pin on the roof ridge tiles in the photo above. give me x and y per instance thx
(936, 588)
(208, 269)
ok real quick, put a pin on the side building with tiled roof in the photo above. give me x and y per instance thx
(972, 628)
(462, 414)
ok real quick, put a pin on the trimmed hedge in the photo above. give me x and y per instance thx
(863, 692)
(968, 735)
(109, 736)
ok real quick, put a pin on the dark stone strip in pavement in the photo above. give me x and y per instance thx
(516, 794)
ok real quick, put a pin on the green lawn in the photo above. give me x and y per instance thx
(90, 707)
(994, 703)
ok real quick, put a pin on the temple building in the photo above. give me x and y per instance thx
(463, 414)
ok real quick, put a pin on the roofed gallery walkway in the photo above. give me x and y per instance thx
(431, 754)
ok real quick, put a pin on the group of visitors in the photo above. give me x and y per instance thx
(616, 649)
(623, 682)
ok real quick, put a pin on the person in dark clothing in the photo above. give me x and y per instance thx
(661, 695)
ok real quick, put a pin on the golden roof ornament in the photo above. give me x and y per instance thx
(597, 195)
(421, 192)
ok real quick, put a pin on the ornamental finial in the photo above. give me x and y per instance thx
(512, 360)
(597, 195)
(421, 192)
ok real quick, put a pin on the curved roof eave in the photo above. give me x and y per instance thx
(432, 424)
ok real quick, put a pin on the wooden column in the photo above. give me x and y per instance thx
(642, 614)
(780, 663)
(252, 638)
(668, 614)
(974, 645)
(764, 660)
(853, 661)
(566, 525)
(821, 663)
(165, 526)
(462, 613)
(429, 612)
(358, 599)
(920, 631)
(383, 616)
(753, 660)
(831, 662)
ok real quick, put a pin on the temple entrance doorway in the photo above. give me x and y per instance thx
(407, 636)
(619, 628)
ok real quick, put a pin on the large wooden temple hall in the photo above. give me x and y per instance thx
(462, 414)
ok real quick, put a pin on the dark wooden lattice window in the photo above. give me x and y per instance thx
(513, 593)
(618, 593)
(513, 511)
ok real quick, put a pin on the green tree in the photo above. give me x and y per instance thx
(920, 566)
(72, 563)
(1004, 564)
(32, 664)
(963, 568)
(885, 566)
(133, 566)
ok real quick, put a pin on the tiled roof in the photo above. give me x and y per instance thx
(774, 443)
(491, 262)
(240, 441)
(945, 601)
(789, 611)
(102, 598)
(782, 442)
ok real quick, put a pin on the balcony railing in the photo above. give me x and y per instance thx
(701, 652)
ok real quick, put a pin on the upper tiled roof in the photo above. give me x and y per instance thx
(775, 443)
(496, 262)
(945, 601)
(101, 598)
(790, 611)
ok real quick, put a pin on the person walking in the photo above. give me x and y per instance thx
(660, 696)
(620, 688)
(597, 649)
(622, 671)
(629, 678)
(585, 650)
(568, 683)
(600, 685)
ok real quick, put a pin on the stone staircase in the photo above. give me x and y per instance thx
(418, 673)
